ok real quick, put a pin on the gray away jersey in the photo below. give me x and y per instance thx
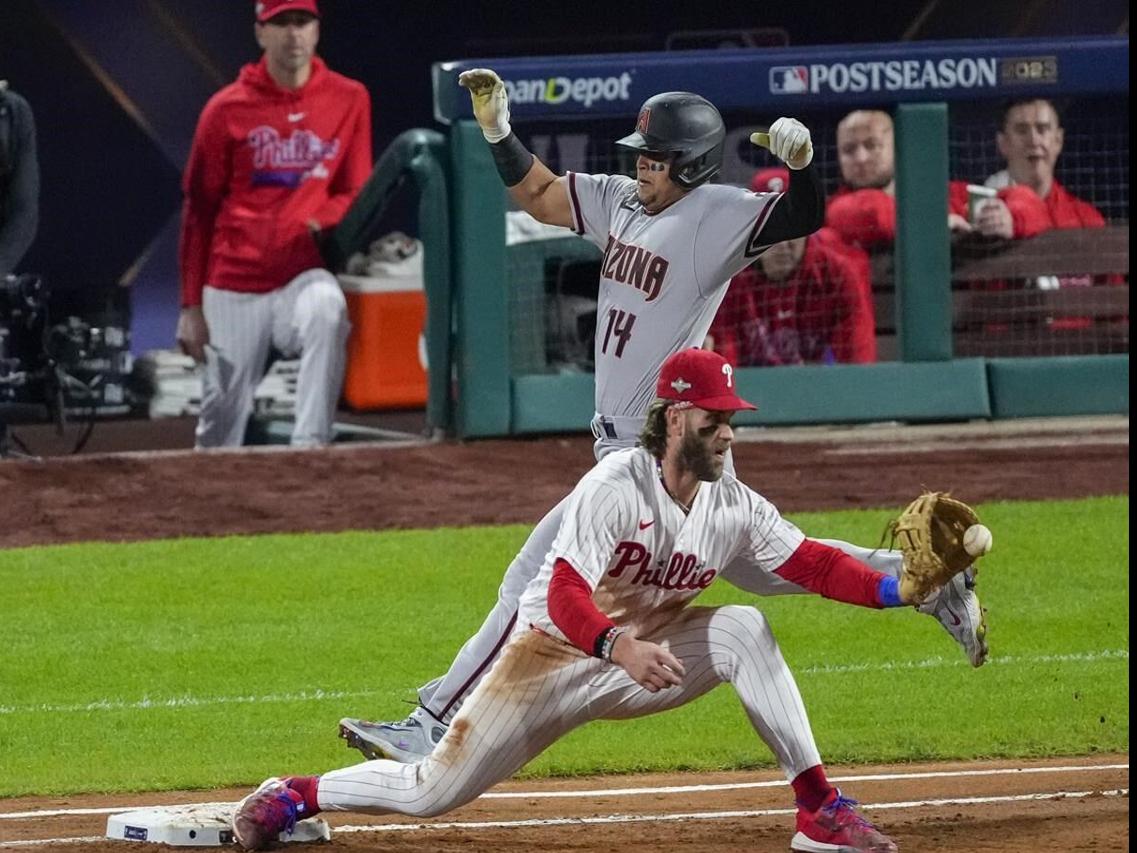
(662, 277)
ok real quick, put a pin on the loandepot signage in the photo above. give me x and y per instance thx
(559, 90)
(896, 75)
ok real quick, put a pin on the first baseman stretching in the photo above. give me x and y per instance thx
(605, 630)
(671, 243)
(277, 157)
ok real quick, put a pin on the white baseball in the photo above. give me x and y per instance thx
(977, 540)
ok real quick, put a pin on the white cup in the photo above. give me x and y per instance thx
(976, 196)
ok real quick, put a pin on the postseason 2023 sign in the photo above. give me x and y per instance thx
(768, 78)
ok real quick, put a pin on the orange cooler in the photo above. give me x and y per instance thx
(386, 352)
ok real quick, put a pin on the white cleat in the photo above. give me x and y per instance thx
(956, 606)
(407, 741)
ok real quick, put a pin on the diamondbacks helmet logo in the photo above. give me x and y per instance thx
(682, 126)
(643, 120)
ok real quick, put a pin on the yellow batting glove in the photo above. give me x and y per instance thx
(491, 106)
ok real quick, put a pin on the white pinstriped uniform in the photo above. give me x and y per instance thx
(307, 316)
(704, 238)
(646, 560)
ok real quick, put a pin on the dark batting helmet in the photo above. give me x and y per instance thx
(685, 125)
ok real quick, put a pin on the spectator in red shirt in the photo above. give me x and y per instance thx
(863, 209)
(802, 301)
(1031, 200)
(1030, 139)
(277, 158)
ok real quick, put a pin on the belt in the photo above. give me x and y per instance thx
(616, 428)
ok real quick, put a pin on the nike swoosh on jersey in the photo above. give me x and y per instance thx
(296, 116)
(644, 525)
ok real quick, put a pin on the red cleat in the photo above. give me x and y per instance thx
(262, 816)
(836, 827)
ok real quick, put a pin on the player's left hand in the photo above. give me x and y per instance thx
(491, 106)
(789, 141)
(933, 533)
(649, 664)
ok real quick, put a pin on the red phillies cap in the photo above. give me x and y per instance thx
(267, 9)
(774, 180)
(700, 377)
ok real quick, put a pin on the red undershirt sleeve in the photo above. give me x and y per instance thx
(833, 574)
(572, 610)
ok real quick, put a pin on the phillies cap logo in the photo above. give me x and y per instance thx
(643, 120)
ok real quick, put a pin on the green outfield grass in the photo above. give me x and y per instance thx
(203, 662)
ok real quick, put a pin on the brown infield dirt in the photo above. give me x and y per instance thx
(133, 496)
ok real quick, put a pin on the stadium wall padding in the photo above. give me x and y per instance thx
(1074, 385)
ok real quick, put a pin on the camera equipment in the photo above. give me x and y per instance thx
(69, 367)
(23, 312)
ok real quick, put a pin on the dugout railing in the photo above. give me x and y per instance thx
(568, 107)
(416, 160)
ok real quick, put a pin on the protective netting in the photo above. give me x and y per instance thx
(1063, 291)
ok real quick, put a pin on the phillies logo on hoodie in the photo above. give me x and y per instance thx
(286, 161)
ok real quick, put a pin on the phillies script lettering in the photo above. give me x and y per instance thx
(628, 264)
(683, 571)
(302, 150)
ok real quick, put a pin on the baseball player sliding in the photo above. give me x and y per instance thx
(605, 630)
(671, 243)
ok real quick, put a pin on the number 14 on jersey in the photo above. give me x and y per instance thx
(618, 330)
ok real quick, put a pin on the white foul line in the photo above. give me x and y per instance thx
(35, 842)
(625, 818)
(314, 695)
(774, 783)
(670, 789)
(146, 703)
(631, 818)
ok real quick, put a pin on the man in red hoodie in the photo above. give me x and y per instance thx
(802, 301)
(277, 157)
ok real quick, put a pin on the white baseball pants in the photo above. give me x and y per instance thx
(540, 689)
(307, 316)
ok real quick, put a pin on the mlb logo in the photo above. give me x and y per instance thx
(789, 79)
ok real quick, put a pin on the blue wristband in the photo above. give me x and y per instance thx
(888, 592)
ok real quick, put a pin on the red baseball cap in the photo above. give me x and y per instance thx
(775, 180)
(267, 9)
(700, 377)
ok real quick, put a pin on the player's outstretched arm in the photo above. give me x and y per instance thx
(531, 183)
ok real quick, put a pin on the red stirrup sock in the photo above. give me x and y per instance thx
(811, 788)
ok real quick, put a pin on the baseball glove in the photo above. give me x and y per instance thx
(929, 532)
